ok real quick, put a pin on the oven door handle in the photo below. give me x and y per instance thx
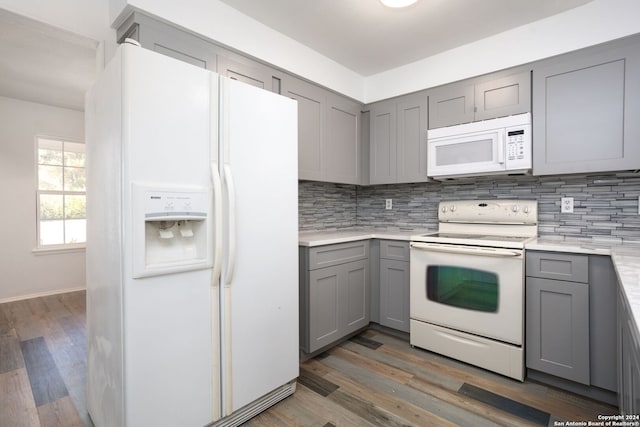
(467, 250)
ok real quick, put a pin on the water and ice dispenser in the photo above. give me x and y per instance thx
(171, 230)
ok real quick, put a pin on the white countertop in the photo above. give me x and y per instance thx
(319, 238)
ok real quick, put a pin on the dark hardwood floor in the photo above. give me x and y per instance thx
(43, 361)
(374, 379)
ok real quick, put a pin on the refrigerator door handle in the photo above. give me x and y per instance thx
(217, 224)
(231, 260)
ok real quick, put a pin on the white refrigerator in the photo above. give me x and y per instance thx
(192, 262)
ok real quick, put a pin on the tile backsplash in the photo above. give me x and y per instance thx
(605, 205)
(323, 205)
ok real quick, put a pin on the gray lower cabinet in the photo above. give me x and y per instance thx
(557, 331)
(394, 284)
(571, 320)
(329, 145)
(628, 359)
(486, 97)
(334, 293)
(585, 109)
(397, 140)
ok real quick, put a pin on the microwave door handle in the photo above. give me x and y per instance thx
(467, 250)
(502, 146)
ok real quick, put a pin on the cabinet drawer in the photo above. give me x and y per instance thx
(325, 256)
(394, 249)
(558, 266)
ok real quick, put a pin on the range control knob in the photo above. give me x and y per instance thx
(452, 208)
(525, 209)
(444, 209)
(515, 208)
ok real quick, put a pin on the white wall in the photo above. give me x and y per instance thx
(88, 18)
(587, 25)
(592, 23)
(23, 272)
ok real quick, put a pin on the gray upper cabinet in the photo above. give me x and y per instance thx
(382, 145)
(311, 112)
(170, 41)
(451, 105)
(329, 141)
(342, 146)
(249, 72)
(411, 150)
(586, 106)
(487, 97)
(329, 145)
(503, 96)
(398, 145)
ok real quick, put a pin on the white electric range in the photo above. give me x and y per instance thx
(467, 283)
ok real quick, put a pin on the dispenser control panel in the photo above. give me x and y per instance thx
(163, 205)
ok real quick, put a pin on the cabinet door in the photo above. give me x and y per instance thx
(585, 107)
(394, 294)
(354, 296)
(628, 359)
(603, 285)
(557, 328)
(382, 148)
(325, 297)
(254, 74)
(170, 41)
(412, 138)
(342, 143)
(451, 105)
(311, 112)
(503, 97)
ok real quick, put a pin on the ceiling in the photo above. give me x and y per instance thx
(368, 38)
(43, 64)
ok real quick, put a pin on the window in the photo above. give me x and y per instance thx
(61, 196)
(463, 287)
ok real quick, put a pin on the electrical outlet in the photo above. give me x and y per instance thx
(388, 204)
(566, 205)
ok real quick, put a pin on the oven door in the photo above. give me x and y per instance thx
(469, 153)
(473, 289)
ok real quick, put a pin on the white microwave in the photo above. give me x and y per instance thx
(489, 147)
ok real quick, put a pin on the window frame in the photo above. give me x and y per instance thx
(60, 247)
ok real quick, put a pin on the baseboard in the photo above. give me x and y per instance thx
(41, 294)
(591, 392)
